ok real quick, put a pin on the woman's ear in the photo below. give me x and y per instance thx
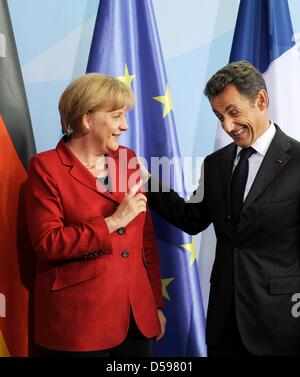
(86, 120)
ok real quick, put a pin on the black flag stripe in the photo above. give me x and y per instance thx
(13, 102)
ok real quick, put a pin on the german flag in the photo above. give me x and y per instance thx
(16, 147)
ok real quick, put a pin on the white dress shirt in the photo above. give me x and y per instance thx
(261, 146)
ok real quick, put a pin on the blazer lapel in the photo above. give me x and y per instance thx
(123, 172)
(115, 172)
(79, 172)
(87, 179)
(275, 160)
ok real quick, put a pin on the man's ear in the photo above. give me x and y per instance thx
(262, 100)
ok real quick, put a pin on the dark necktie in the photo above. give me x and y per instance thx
(238, 183)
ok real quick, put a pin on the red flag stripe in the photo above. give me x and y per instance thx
(14, 326)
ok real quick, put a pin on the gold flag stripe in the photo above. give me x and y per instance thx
(3, 349)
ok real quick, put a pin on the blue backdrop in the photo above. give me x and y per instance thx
(54, 37)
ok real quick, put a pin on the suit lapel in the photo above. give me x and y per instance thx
(226, 163)
(226, 171)
(275, 160)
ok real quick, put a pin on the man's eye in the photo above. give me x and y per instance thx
(234, 113)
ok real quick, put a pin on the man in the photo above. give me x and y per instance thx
(252, 197)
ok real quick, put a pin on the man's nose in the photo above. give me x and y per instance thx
(227, 125)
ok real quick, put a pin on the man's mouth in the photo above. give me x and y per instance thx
(238, 133)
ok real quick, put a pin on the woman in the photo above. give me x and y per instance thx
(98, 287)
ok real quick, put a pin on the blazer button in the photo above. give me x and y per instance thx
(121, 231)
(228, 217)
(97, 253)
(125, 254)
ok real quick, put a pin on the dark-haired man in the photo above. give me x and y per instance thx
(252, 197)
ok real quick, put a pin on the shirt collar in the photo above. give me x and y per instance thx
(262, 144)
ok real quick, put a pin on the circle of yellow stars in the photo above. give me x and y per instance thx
(166, 100)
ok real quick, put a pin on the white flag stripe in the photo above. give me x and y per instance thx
(283, 83)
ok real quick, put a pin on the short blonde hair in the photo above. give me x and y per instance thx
(88, 93)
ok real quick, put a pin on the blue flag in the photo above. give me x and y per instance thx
(263, 32)
(126, 45)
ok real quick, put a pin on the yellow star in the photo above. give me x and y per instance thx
(191, 248)
(165, 283)
(127, 78)
(167, 101)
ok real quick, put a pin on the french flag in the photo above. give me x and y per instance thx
(263, 36)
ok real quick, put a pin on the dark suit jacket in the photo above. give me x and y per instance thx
(87, 278)
(258, 263)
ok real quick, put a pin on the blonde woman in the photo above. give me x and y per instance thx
(98, 286)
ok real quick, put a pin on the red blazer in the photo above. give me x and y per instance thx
(87, 279)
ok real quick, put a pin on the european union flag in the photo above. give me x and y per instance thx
(126, 45)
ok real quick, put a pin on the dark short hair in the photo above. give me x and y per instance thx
(246, 78)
